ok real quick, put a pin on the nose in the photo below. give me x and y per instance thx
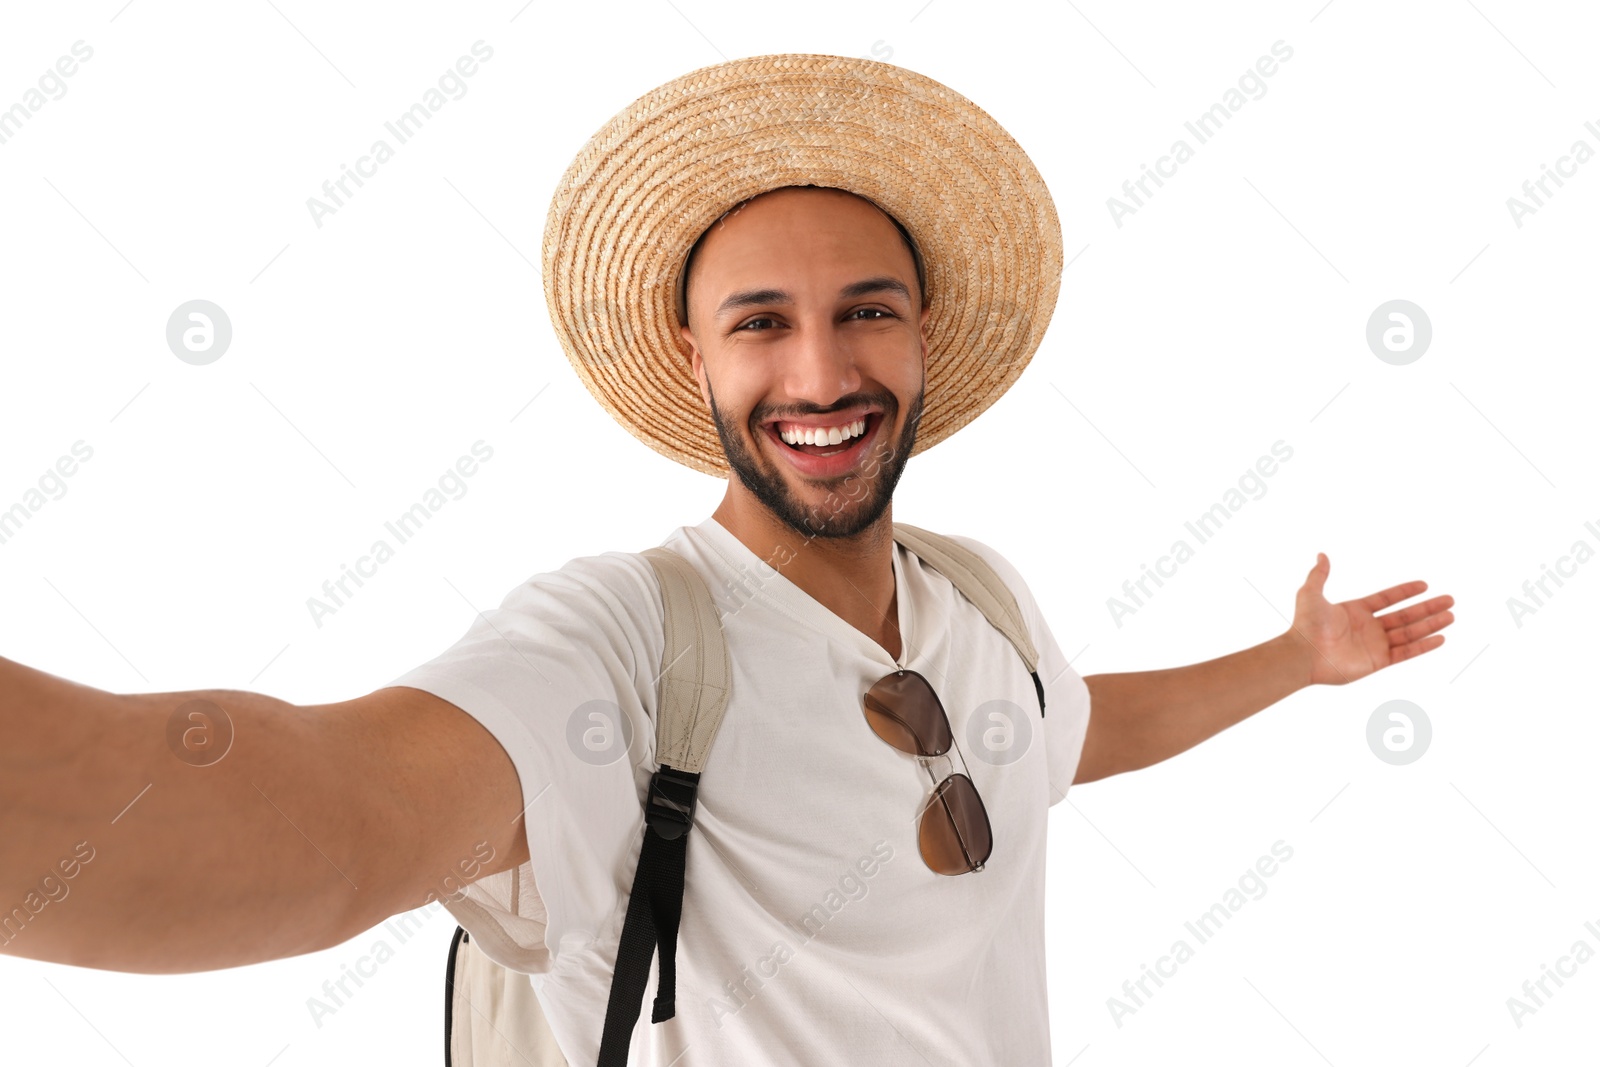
(820, 365)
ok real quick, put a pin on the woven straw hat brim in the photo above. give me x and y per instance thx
(663, 169)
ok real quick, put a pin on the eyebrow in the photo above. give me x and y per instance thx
(866, 287)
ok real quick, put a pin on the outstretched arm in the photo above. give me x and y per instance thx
(317, 822)
(1140, 718)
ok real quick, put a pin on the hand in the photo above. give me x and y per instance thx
(1347, 640)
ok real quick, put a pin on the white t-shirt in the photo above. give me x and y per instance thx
(812, 930)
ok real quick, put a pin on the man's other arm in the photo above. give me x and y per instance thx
(318, 822)
(1143, 717)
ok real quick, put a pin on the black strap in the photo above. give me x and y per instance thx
(1040, 687)
(450, 990)
(655, 905)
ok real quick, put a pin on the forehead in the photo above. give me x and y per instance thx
(775, 228)
(797, 204)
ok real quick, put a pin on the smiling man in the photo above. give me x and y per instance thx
(822, 370)
(826, 265)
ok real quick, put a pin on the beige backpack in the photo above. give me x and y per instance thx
(492, 1017)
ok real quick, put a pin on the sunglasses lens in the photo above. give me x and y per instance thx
(903, 709)
(954, 833)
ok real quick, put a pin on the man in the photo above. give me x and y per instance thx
(812, 929)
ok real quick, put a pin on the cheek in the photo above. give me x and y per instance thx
(906, 382)
(737, 390)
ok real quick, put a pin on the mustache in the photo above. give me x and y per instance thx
(880, 400)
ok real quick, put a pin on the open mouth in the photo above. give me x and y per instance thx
(827, 443)
(827, 452)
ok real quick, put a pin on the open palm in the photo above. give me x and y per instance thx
(1349, 640)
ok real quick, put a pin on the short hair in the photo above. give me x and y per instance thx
(682, 295)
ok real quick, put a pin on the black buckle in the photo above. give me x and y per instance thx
(669, 809)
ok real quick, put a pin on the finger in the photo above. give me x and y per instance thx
(1407, 634)
(1317, 577)
(1415, 648)
(1415, 612)
(1392, 595)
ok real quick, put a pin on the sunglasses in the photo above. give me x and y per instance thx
(905, 712)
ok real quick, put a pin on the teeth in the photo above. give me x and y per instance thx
(831, 436)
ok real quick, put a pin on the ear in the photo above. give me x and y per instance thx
(696, 364)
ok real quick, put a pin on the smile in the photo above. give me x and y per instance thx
(825, 451)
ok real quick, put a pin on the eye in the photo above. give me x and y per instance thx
(878, 314)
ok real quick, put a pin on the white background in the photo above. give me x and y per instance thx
(1228, 313)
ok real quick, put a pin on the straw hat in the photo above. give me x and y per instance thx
(664, 168)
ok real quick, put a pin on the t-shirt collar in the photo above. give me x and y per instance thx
(760, 579)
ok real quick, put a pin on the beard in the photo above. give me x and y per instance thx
(861, 496)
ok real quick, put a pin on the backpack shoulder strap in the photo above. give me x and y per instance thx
(692, 688)
(692, 695)
(978, 582)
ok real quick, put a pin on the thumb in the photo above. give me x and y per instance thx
(1318, 576)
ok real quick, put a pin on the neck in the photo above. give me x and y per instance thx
(853, 577)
